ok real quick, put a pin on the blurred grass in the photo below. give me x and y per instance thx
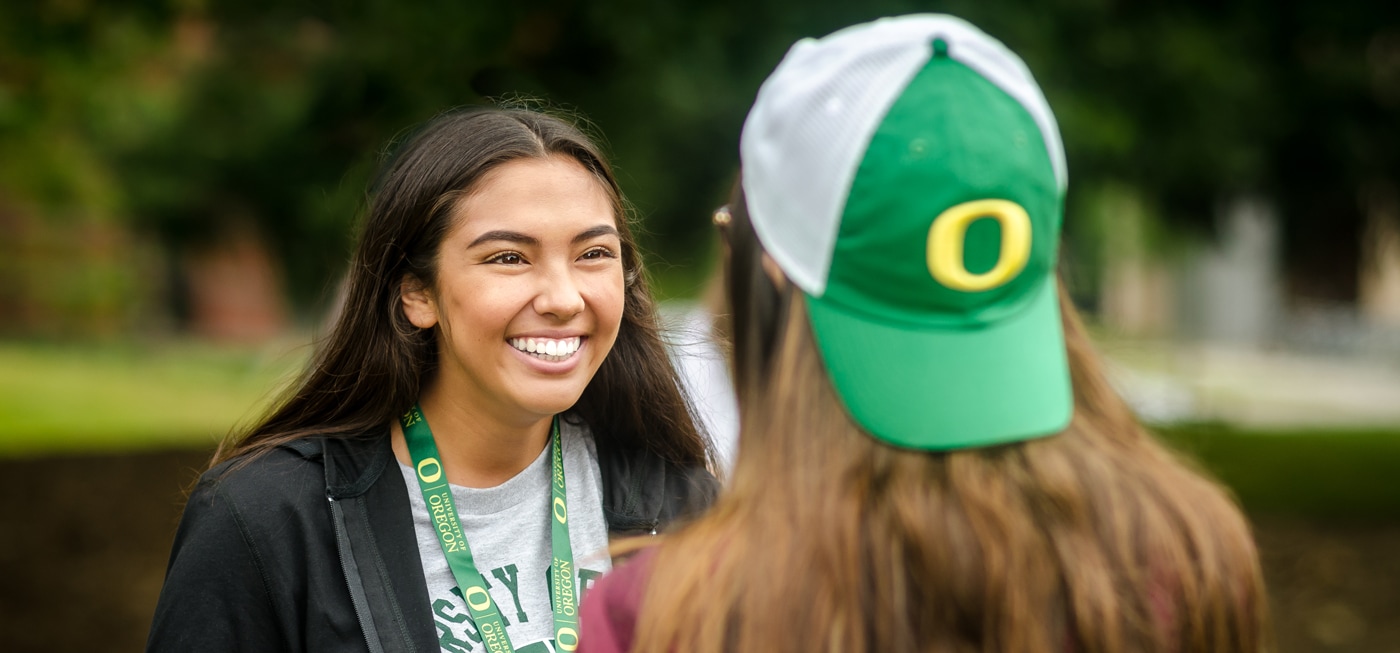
(131, 396)
(1339, 475)
(121, 397)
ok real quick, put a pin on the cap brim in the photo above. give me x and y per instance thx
(950, 389)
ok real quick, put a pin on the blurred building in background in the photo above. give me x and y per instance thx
(1210, 329)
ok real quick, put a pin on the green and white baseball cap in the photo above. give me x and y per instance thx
(908, 176)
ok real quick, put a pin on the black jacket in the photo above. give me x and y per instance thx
(311, 548)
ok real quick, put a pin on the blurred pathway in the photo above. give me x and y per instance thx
(1169, 382)
(1165, 382)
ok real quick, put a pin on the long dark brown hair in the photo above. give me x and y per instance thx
(1094, 540)
(372, 365)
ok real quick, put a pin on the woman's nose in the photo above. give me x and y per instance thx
(559, 295)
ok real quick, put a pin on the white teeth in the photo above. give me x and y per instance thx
(546, 348)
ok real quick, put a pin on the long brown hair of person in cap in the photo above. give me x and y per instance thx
(1097, 539)
(930, 457)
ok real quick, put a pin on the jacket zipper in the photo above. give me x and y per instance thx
(357, 592)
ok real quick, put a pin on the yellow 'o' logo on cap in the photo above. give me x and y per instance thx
(949, 231)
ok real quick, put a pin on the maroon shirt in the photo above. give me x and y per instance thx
(608, 617)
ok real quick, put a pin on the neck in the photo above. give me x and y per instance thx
(477, 449)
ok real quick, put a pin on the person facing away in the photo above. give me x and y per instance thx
(491, 404)
(930, 458)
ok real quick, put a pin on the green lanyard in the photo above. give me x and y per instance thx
(443, 513)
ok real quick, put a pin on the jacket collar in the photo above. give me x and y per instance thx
(641, 491)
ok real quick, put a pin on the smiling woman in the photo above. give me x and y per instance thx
(493, 403)
(528, 300)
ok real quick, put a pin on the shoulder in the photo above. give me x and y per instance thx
(691, 488)
(259, 505)
(310, 468)
(281, 475)
(254, 530)
(643, 491)
(609, 613)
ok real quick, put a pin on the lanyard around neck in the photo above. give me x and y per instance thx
(427, 466)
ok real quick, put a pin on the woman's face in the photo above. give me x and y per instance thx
(529, 290)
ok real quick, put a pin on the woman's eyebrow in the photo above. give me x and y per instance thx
(600, 230)
(522, 239)
(508, 236)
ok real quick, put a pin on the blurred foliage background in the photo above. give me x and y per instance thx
(135, 135)
(194, 168)
(180, 180)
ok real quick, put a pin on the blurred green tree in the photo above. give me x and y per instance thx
(186, 119)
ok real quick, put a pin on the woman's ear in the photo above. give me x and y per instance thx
(775, 273)
(418, 303)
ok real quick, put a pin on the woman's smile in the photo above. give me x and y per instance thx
(552, 350)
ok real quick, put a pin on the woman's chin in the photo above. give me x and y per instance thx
(553, 402)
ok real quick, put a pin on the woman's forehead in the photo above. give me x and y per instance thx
(545, 199)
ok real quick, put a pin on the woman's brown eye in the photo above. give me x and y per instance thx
(508, 258)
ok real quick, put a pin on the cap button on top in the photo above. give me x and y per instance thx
(940, 46)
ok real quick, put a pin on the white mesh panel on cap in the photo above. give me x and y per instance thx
(809, 127)
(807, 133)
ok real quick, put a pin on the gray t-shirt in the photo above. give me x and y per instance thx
(507, 528)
